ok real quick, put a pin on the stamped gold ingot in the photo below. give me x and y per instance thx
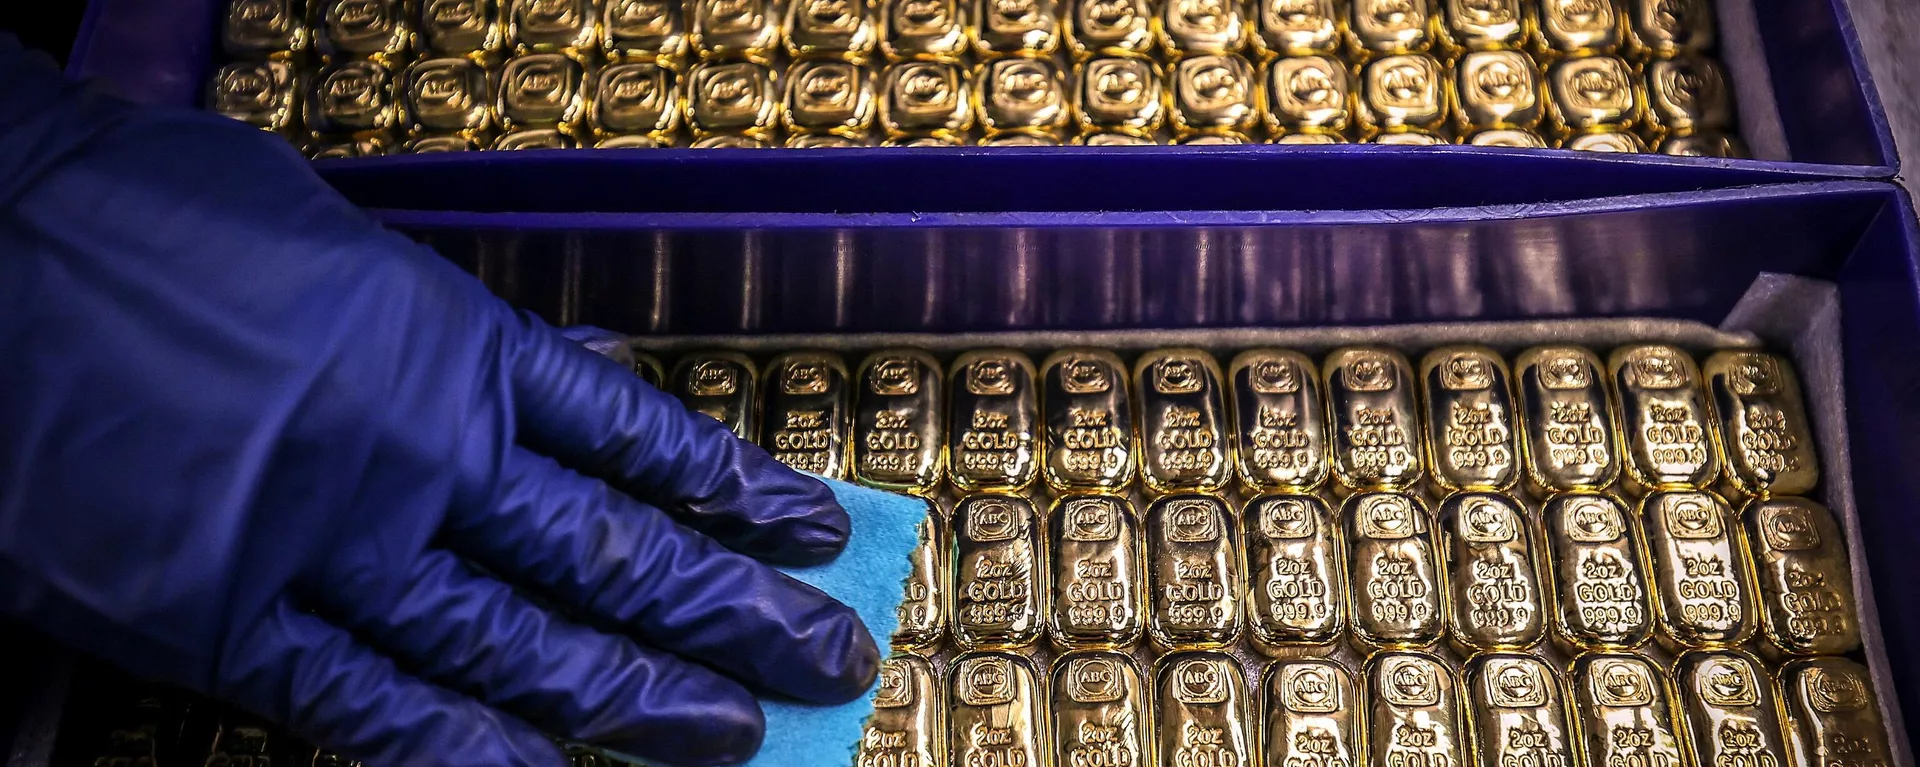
(1121, 94)
(1395, 26)
(912, 141)
(742, 29)
(999, 572)
(926, 98)
(1375, 428)
(434, 144)
(898, 442)
(1114, 139)
(1027, 27)
(1415, 712)
(1196, 27)
(1395, 587)
(1110, 28)
(1283, 420)
(1687, 95)
(998, 710)
(1307, 94)
(1731, 711)
(805, 407)
(1624, 705)
(635, 98)
(1484, 25)
(263, 94)
(1089, 420)
(1666, 417)
(373, 29)
(1205, 716)
(842, 29)
(908, 726)
(535, 138)
(721, 385)
(993, 439)
(1766, 437)
(1605, 142)
(1297, 27)
(1312, 714)
(1569, 27)
(1704, 145)
(1701, 572)
(553, 25)
(1494, 578)
(1296, 597)
(1472, 434)
(1833, 717)
(542, 90)
(828, 97)
(732, 97)
(1021, 95)
(452, 95)
(1101, 711)
(1670, 27)
(923, 606)
(1193, 573)
(1097, 550)
(1518, 704)
(263, 28)
(1567, 417)
(1806, 596)
(1401, 93)
(825, 141)
(351, 97)
(645, 30)
(1594, 553)
(1497, 89)
(1214, 94)
(1310, 139)
(461, 27)
(1184, 426)
(1588, 94)
(1019, 139)
(923, 29)
(1410, 138)
(1512, 138)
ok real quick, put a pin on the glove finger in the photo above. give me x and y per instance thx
(598, 417)
(473, 634)
(610, 556)
(295, 668)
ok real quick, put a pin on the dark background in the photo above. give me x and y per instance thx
(48, 25)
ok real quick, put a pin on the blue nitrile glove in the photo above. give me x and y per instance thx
(252, 443)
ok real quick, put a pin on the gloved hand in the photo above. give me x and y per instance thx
(254, 444)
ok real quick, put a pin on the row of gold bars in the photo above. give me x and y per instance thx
(362, 77)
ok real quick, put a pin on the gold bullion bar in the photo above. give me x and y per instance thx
(1311, 714)
(1669, 27)
(719, 384)
(1102, 716)
(553, 25)
(1395, 26)
(1296, 574)
(1472, 442)
(536, 138)
(1307, 94)
(1687, 95)
(1592, 94)
(805, 420)
(926, 99)
(1833, 718)
(1493, 574)
(998, 712)
(1496, 90)
(374, 29)
(1414, 715)
(1214, 139)
(1110, 28)
(897, 412)
(1118, 94)
(1402, 93)
(263, 28)
(1513, 138)
(1593, 550)
(647, 367)
(1519, 708)
(542, 90)
(1701, 575)
(1376, 418)
(1198, 27)
(1806, 583)
(1605, 142)
(1483, 25)
(1114, 139)
(645, 30)
(1568, 418)
(1410, 138)
(1569, 27)
(908, 726)
(1626, 711)
(807, 141)
(1704, 145)
(923, 29)
(1763, 423)
(923, 608)
(1021, 95)
(739, 98)
(461, 27)
(1099, 576)
(1025, 27)
(1283, 421)
(1214, 95)
(263, 94)
(1183, 421)
(636, 98)
(352, 97)
(1019, 139)
(999, 561)
(446, 96)
(738, 29)
(1666, 417)
(926, 141)
(1732, 715)
(1204, 717)
(992, 437)
(1193, 573)
(1297, 27)
(1089, 421)
(841, 29)
(1395, 593)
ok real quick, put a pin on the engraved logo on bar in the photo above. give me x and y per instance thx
(894, 691)
(898, 376)
(1285, 518)
(1216, 85)
(986, 682)
(1201, 680)
(636, 17)
(440, 90)
(1689, 86)
(361, 17)
(1091, 520)
(1500, 80)
(1013, 15)
(1489, 522)
(1564, 371)
(1689, 518)
(1789, 528)
(1309, 689)
(1275, 377)
(826, 87)
(1392, 12)
(1599, 84)
(1298, 14)
(1466, 372)
(989, 377)
(1192, 522)
(992, 520)
(1406, 85)
(1106, 16)
(1120, 84)
(1595, 521)
(1387, 517)
(734, 15)
(453, 15)
(1755, 374)
(1517, 685)
(1831, 690)
(1204, 16)
(1368, 372)
(1080, 376)
(1489, 11)
(1621, 683)
(1312, 87)
(1582, 15)
(714, 379)
(805, 377)
(1728, 683)
(1657, 369)
(1177, 376)
(246, 88)
(1412, 682)
(1094, 680)
(1673, 15)
(830, 15)
(552, 14)
(925, 16)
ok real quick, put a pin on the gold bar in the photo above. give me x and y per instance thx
(1019, 139)
(1410, 138)
(738, 98)
(908, 725)
(1376, 418)
(645, 30)
(1704, 145)
(263, 94)
(1205, 718)
(1496, 89)
(897, 409)
(1396, 26)
(446, 96)
(542, 90)
(1763, 423)
(373, 29)
(1114, 139)
(1669, 27)
(352, 97)
(461, 27)
(1298, 27)
(1700, 569)
(734, 29)
(719, 384)
(1311, 714)
(571, 26)
(1023, 27)
(926, 98)
(1296, 575)
(534, 138)
(1308, 94)
(1833, 716)
(1626, 711)
(1592, 94)
(1605, 142)
(1120, 94)
(1494, 577)
(808, 141)
(1485, 25)
(1687, 95)
(1283, 421)
(1395, 595)
(1021, 95)
(806, 421)
(1214, 95)
(999, 561)
(1414, 712)
(263, 28)
(1193, 573)
(925, 141)
(1666, 416)
(1806, 582)
(1472, 442)
(993, 436)
(1110, 28)
(1099, 578)
(1730, 709)
(1403, 93)
(998, 712)
(935, 30)
(1183, 415)
(635, 98)
(636, 142)
(1593, 550)
(1568, 418)
(1214, 139)
(840, 29)
(923, 608)
(647, 367)
(1089, 422)
(1519, 709)
(1102, 712)
(1512, 138)
(1201, 27)
(1571, 27)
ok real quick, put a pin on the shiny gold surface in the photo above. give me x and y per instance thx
(1833, 717)
(1497, 89)
(1297, 27)
(830, 28)
(926, 97)
(1193, 573)
(1030, 27)
(1666, 417)
(1587, 94)
(1311, 714)
(1184, 444)
(645, 30)
(535, 138)
(923, 605)
(1518, 706)
(1731, 710)
(460, 27)
(1507, 137)
(898, 442)
(923, 29)
(805, 419)
(375, 29)
(1605, 142)
(1686, 95)
(446, 95)
(263, 28)
(1110, 28)
(998, 571)
(1097, 549)
(909, 721)
(552, 25)
(998, 712)
(1595, 554)
(432, 144)
(1396, 594)
(720, 384)
(825, 141)
(1567, 417)
(1282, 416)
(351, 97)
(1669, 27)
(635, 98)
(1088, 420)
(264, 94)
(1205, 717)
(1494, 578)
(993, 434)
(1019, 139)
(1120, 94)
(1805, 580)
(730, 141)
(1214, 94)
(1114, 139)
(828, 97)
(1767, 440)
(1198, 27)
(1480, 25)
(1702, 577)
(1704, 145)
(1402, 93)
(925, 141)
(1471, 435)
(1410, 138)
(1102, 713)
(1581, 27)
(1415, 713)
(1375, 426)
(1296, 574)
(542, 90)
(734, 97)
(1395, 26)
(746, 29)
(1307, 94)
(1625, 708)
(1021, 95)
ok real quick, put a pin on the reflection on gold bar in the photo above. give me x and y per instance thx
(1395, 587)
(1200, 27)
(1312, 714)
(1283, 421)
(1404, 93)
(923, 608)
(352, 97)
(1700, 569)
(908, 727)
(1026, 27)
(1481, 25)
(1494, 580)
(1806, 583)
(841, 29)
(1193, 573)
(998, 567)
(1120, 94)
(1205, 717)
(998, 711)
(1308, 94)
(1183, 421)
(1625, 708)
(645, 30)
(570, 26)
(1216, 96)
(1298, 27)
(1763, 422)
(1021, 95)
(1730, 709)
(1414, 714)
(805, 408)
(1594, 553)
(1296, 576)
(263, 94)
(735, 99)
(1101, 711)
(1099, 578)
(1580, 26)
(1670, 27)
(1568, 419)
(1833, 717)
(897, 444)
(1519, 710)
(1110, 28)
(718, 384)
(1592, 94)
(1395, 26)
(828, 98)
(734, 29)
(1472, 442)
(1496, 90)
(637, 99)
(263, 28)
(992, 436)
(1089, 422)
(374, 29)
(935, 30)
(1687, 95)
(1665, 416)
(1375, 429)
